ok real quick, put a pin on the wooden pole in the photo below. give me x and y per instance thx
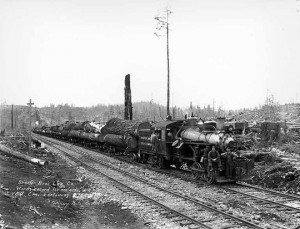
(168, 65)
(29, 104)
(12, 116)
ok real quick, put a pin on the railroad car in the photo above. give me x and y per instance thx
(74, 136)
(121, 136)
(177, 143)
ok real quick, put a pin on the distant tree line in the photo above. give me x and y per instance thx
(16, 116)
(144, 111)
(149, 111)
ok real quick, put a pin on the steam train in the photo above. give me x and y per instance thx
(177, 143)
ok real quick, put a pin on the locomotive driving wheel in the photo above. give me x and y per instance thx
(197, 170)
(210, 177)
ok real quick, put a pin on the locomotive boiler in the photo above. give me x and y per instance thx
(220, 139)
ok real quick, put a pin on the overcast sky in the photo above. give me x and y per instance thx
(79, 51)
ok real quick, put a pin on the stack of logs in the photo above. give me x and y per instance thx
(121, 127)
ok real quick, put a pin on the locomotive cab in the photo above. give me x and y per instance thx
(170, 149)
(162, 143)
(156, 143)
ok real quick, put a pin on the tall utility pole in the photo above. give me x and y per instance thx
(12, 116)
(15, 118)
(163, 23)
(29, 104)
(168, 65)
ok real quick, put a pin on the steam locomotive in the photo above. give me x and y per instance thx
(177, 143)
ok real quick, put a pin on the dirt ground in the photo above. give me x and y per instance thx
(278, 169)
(42, 197)
(32, 196)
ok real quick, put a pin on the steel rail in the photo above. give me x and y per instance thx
(132, 190)
(247, 223)
(260, 199)
(290, 196)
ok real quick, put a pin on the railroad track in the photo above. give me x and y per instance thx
(290, 196)
(261, 196)
(270, 198)
(196, 214)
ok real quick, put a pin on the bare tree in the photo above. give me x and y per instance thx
(163, 25)
(128, 103)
